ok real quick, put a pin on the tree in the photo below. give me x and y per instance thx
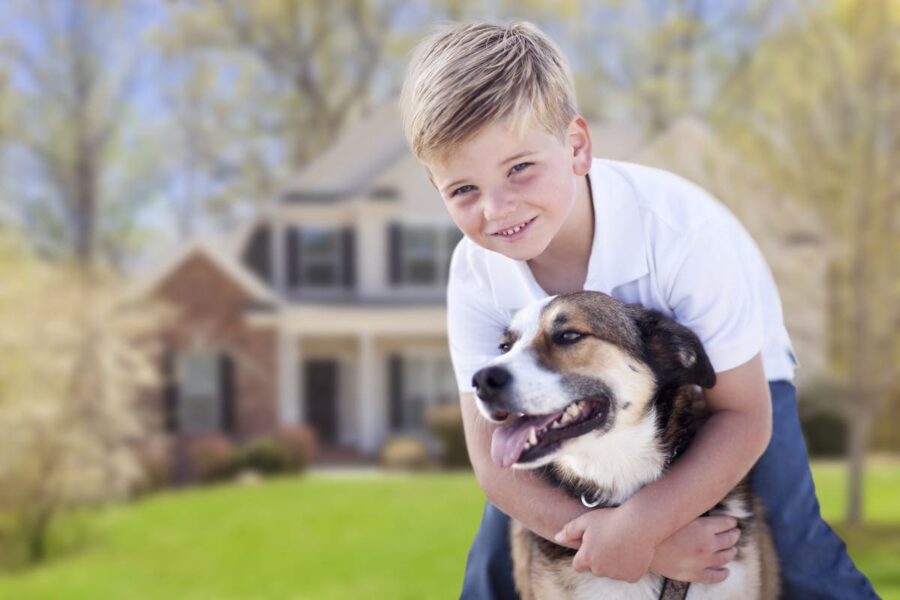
(73, 357)
(262, 87)
(69, 93)
(817, 107)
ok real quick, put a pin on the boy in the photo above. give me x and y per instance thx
(490, 112)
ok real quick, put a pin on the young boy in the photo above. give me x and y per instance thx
(490, 112)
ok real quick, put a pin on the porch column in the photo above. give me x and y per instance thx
(278, 256)
(289, 378)
(369, 422)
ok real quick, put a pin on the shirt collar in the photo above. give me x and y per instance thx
(617, 253)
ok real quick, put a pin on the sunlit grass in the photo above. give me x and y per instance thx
(332, 537)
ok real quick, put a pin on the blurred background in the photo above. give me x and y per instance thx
(223, 363)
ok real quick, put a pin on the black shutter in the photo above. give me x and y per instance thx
(395, 391)
(170, 391)
(226, 391)
(395, 250)
(294, 273)
(348, 239)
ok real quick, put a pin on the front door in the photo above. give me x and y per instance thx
(320, 375)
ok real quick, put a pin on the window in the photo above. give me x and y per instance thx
(200, 406)
(428, 380)
(320, 253)
(424, 254)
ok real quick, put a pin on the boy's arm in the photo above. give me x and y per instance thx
(725, 449)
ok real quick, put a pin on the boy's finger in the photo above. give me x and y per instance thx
(717, 575)
(720, 523)
(572, 531)
(727, 539)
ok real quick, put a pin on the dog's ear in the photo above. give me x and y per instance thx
(674, 351)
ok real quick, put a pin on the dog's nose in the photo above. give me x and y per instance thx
(490, 381)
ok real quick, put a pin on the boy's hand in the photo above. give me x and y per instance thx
(698, 551)
(613, 544)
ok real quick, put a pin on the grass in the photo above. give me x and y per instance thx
(336, 537)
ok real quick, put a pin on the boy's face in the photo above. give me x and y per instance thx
(511, 192)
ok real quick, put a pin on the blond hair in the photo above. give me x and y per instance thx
(467, 76)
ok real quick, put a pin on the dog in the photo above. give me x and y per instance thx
(601, 397)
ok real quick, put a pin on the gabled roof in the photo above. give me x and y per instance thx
(213, 249)
(356, 158)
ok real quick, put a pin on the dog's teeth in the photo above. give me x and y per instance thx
(555, 425)
(532, 437)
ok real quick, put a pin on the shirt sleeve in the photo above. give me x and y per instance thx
(474, 324)
(712, 292)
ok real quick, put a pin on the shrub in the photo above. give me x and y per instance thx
(299, 443)
(446, 424)
(821, 405)
(264, 455)
(825, 434)
(154, 456)
(404, 453)
(212, 457)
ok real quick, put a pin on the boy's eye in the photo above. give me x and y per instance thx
(462, 190)
(520, 167)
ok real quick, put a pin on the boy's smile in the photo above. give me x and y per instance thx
(513, 192)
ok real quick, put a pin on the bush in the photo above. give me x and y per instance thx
(404, 453)
(299, 443)
(445, 423)
(264, 455)
(212, 457)
(825, 434)
(821, 405)
(154, 456)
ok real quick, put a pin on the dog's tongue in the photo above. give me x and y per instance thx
(509, 439)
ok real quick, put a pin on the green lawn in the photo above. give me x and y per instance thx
(335, 537)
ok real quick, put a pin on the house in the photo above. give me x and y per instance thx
(328, 308)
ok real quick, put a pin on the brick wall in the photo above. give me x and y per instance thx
(210, 309)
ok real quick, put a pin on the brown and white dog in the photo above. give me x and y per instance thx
(602, 396)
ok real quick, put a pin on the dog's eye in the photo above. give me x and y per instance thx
(567, 337)
(504, 347)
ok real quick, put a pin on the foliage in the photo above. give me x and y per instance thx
(405, 453)
(265, 455)
(212, 457)
(816, 109)
(446, 424)
(74, 356)
(300, 444)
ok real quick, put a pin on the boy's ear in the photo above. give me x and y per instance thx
(673, 351)
(578, 136)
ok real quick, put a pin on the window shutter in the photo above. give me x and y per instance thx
(349, 257)
(395, 260)
(293, 257)
(226, 392)
(395, 393)
(170, 391)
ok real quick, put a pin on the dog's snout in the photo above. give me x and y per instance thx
(490, 381)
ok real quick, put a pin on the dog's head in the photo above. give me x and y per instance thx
(581, 364)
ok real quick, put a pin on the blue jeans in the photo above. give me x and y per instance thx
(814, 560)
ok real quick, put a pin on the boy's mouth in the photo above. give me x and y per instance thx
(514, 232)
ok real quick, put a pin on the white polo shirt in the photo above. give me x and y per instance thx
(659, 241)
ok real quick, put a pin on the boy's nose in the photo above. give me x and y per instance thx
(499, 205)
